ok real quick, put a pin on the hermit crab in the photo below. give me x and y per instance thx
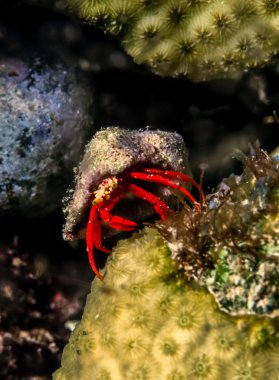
(116, 172)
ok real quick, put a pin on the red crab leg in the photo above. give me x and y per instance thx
(173, 174)
(90, 239)
(117, 222)
(158, 205)
(93, 239)
(97, 237)
(165, 181)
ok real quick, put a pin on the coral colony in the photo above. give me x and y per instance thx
(202, 39)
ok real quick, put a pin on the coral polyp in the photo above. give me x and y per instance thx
(209, 33)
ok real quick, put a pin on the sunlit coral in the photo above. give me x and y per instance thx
(200, 39)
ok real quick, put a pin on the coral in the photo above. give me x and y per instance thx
(201, 39)
(148, 322)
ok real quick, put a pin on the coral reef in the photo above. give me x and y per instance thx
(145, 321)
(45, 117)
(201, 39)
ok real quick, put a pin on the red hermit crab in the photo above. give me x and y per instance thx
(113, 188)
(130, 160)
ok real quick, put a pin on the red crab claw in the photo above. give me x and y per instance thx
(93, 232)
(159, 206)
(165, 181)
(93, 239)
(117, 222)
(114, 221)
(176, 175)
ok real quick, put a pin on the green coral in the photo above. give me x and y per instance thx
(202, 39)
(145, 321)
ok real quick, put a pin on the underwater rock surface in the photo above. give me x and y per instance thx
(144, 321)
(45, 117)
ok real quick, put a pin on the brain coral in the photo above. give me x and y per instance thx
(202, 39)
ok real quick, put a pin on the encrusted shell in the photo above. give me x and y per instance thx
(111, 152)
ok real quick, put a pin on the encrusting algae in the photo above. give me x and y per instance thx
(232, 247)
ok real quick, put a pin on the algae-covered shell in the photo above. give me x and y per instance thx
(113, 151)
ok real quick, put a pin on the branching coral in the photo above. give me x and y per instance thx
(201, 39)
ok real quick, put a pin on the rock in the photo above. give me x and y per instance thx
(45, 117)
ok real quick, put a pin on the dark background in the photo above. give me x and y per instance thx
(214, 118)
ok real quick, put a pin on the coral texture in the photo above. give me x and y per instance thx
(202, 39)
(144, 321)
